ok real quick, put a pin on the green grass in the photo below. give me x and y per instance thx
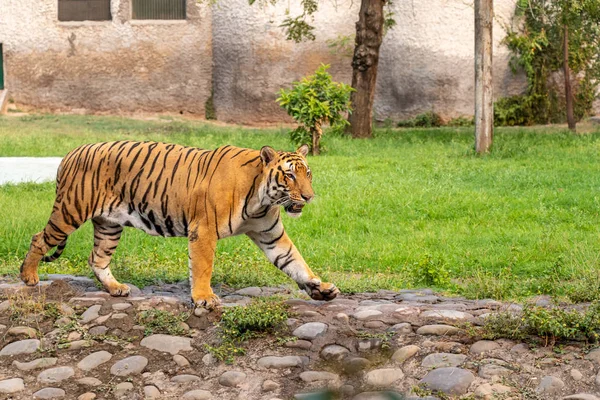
(411, 207)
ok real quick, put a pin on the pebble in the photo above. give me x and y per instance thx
(72, 336)
(49, 393)
(35, 364)
(26, 346)
(384, 377)
(519, 348)
(403, 328)
(208, 359)
(91, 314)
(491, 391)
(98, 330)
(87, 396)
(151, 392)
(249, 291)
(310, 330)
(89, 381)
(12, 385)
(232, 378)
(123, 388)
(366, 315)
(594, 356)
(299, 344)
(437, 360)
(121, 306)
(483, 346)
(282, 362)
(440, 330)
(334, 352)
(185, 378)
(181, 360)
(269, 386)
(488, 371)
(550, 385)
(167, 343)
(576, 375)
(581, 396)
(405, 353)
(343, 318)
(442, 315)
(316, 376)
(356, 365)
(80, 344)
(94, 360)
(22, 331)
(118, 316)
(55, 375)
(129, 366)
(198, 394)
(451, 380)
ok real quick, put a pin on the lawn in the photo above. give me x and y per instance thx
(409, 208)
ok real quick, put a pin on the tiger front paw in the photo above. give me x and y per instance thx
(318, 290)
(208, 301)
(30, 279)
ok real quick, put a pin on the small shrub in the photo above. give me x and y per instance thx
(504, 324)
(428, 119)
(461, 121)
(159, 321)
(431, 272)
(313, 102)
(239, 324)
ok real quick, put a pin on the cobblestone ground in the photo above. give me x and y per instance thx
(65, 339)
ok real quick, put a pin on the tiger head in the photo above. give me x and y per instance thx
(288, 179)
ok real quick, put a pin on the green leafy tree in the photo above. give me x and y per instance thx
(313, 102)
(556, 35)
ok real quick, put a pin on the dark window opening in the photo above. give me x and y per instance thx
(84, 10)
(158, 9)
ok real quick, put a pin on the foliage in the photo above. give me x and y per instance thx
(239, 324)
(160, 321)
(461, 121)
(538, 50)
(552, 324)
(431, 272)
(428, 119)
(314, 101)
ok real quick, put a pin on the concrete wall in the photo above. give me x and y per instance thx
(426, 60)
(111, 66)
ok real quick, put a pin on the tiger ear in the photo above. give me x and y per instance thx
(303, 150)
(267, 154)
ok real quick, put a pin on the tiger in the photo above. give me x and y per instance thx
(172, 190)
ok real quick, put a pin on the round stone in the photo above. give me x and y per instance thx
(185, 378)
(151, 392)
(317, 376)
(299, 344)
(384, 377)
(121, 306)
(581, 396)
(594, 356)
(250, 291)
(403, 328)
(27, 346)
(489, 391)
(167, 343)
(13, 385)
(122, 388)
(181, 360)
(487, 371)
(550, 385)
(437, 360)
(55, 375)
(334, 352)
(91, 313)
(232, 378)
(198, 394)
(576, 375)
(442, 315)
(282, 362)
(452, 381)
(98, 330)
(94, 360)
(269, 386)
(129, 366)
(310, 330)
(89, 381)
(483, 346)
(439, 330)
(87, 396)
(356, 364)
(366, 315)
(404, 353)
(24, 331)
(49, 393)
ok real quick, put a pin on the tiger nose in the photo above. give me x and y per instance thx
(308, 198)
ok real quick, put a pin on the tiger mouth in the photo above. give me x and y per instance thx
(294, 208)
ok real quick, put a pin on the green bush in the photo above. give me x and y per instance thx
(159, 321)
(428, 119)
(431, 272)
(314, 102)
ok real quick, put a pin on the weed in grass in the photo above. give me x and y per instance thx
(161, 321)
(239, 324)
(431, 272)
(384, 337)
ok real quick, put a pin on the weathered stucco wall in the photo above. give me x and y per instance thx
(112, 66)
(426, 60)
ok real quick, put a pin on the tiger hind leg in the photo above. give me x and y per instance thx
(106, 239)
(54, 234)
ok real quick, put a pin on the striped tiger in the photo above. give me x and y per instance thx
(178, 191)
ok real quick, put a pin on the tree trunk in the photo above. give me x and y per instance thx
(316, 132)
(567, 73)
(484, 101)
(369, 35)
